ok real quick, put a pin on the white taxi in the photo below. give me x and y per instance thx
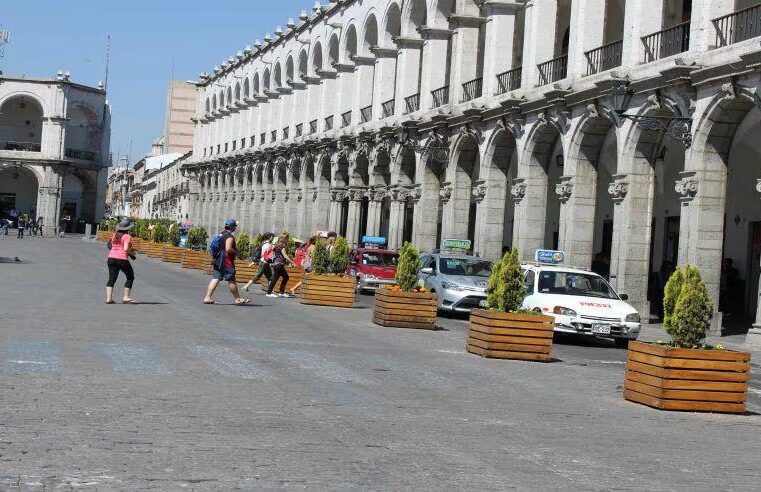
(581, 301)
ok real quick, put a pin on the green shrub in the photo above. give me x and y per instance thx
(407, 268)
(243, 245)
(321, 258)
(506, 288)
(145, 232)
(197, 238)
(290, 248)
(160, 233)
(690, 316)
(255, 242)
(174, 235)
(339, 256)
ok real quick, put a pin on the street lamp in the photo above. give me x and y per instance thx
(677, 127)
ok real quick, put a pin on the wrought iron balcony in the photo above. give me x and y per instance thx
(509, 81)
(366, 114)
(388, 108)
(345, 119)
(329, 123)
(440, 97)
(605, 57)
(20, 146)
(299, 129)
(472, 89)
(312, 127)
(84, 155)
(667, 42)
(412, 103)
(553, 70)
(738, 26)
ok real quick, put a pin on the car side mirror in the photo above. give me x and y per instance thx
(624, 297)
(427, 270)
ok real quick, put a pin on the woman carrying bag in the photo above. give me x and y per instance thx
(120, 246)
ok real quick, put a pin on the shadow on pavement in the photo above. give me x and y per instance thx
(8, 259)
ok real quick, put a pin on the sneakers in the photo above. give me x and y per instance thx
(272, 294)
(285, 295)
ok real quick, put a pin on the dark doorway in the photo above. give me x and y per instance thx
(607, 238)
(362, 231)
(408, 215)
(344, 217)
(671, 240)
(754, 270)
(472, 222)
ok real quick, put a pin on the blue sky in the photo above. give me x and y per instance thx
(147, 37)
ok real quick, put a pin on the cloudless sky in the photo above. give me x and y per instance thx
(147, 37)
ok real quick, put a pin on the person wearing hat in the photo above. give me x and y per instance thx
(224, 265)
(120, 246)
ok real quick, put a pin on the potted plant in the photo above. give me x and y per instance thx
(406, 304)
(328, 284)
(195, 255)
(504, 330)
(686, 373)
(172, 252)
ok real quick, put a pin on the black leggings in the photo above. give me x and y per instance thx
(278, 271)
(114, 266)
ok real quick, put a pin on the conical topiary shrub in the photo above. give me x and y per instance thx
(339, 256)
(243, 245)
(327, 285)
(506, 288)
(687, 307)
(407, 268)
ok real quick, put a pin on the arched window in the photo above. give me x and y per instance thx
(289, 70)
(393, 25)
(333, 50)
(246, 89)
(237, 92)
(257, 88)
(21, 124)
(303, 63)
(317, 58)
(266, 79)
(350, 44)
(278, 76)
(370, 38)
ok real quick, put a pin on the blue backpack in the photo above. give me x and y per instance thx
(217, 245)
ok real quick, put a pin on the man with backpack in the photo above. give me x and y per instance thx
(263, 255)
(222, 250)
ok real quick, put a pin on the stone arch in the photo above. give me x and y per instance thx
(21, 123)
(359, 171)
(266, 79)
(369, 34)
(278, 76)
(237, 92)
(289, 70)
(463, 175)
(257, 87)
(496, 215)
(21, 183)
(333, 50)
(349, 44)
(303, 64)
(414, 16)
(83, 130)
(317, 63)
(442, 11)
(229, 97)
(208, 105)
(246, 89)
(392, 24)
(27, 96)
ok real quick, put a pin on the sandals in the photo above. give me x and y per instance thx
(128, 301)
(111, 302)
(209, 302)
(242, 301)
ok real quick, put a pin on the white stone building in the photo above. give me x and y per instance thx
(163, 189)
(54, 144)
(501, 121)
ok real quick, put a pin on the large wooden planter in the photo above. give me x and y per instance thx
(695, 380)
(155, 250)
(294, 277)
(197, 260)
(172, 254)
(510, 336)
(104, 235)
(139, 244)
(405, 309)
(328, 290)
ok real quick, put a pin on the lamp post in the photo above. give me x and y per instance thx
(677, 127)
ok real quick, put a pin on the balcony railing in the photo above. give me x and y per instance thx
(667, 42)
(329, 123)
(299, 129)
(440, 97)
(20, 146)
(273, 136)
(553, 70)
(472, 89)
(412, 103)
(366, 114)
(286, 130)
(509, 81)
(388, 108)
(345, 119)
(604, 58)
(312, 127)
(738, 26)
(85, 155)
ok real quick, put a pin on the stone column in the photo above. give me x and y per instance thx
(374, 212)
(435, 64)
(426, 215)
(353, 223)
(754, 334)
(407, 71)
(490, 218)
(363, 87)
(321, 206)
(334, 220)
(530, 196)
(396, 222)
(254, 205)
(578, 196)
(701, 229)
(384, 88)
(498, 50)
(465, 63)
(538, 45)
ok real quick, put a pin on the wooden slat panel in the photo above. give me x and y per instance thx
(496, 354)
(531, 318)
(392, 309)
(729, 376)
(406, 301)
(686, 384)
(667, 394)
(511, 331)
(517, 324)
(416, 319)
(680, 353)
(699, 364)
(684, 405)
(508, 347)
(510, 339)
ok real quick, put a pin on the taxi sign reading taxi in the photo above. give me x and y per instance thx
(464, 244)
(374, 240)
(549, 256)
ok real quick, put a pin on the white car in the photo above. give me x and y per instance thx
(582, 302)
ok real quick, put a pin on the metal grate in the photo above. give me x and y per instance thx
(388, 108)
(604, 58)
(738, 26)
(20, 146)
(440, 97)
(299, 129)
(509, 81)
(366, 114)
(345, 119)
(472, 89)
(329, 123)
(553, 70)
(667, 42)
(412, 103)
(313, 127)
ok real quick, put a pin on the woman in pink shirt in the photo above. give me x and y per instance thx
(118, 259)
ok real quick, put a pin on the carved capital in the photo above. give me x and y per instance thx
(479, 191)
(758, 185)
(687, 187)
(446, 192)
(518, 190)
(564, 189)
(618, 188)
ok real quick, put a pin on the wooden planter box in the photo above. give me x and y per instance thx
(405, 309)
(172, 254)
(197, 260)
(155, 250)
(294, 277)
(510, 336)
(328, 290)
(139, 244)
(694, 380)
(104, 235)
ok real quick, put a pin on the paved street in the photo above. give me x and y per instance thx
(173, 394)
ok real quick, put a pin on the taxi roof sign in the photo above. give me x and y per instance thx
(550, 256)
(373, 240)
(464, 244)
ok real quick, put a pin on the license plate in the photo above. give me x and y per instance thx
(600, 329)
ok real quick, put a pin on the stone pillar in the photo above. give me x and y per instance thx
(498, 49)
(363, 86)
(640, 19)
(374, 213)
(384, 88)
(407, 71)
(530, 196)
(435, 64)
(538, 45)
(52, 143)
(701, 229)
(353, 223)
(277, 199)
(490, 218)
(426, 215)
(632, 232)
(465, 47)
(578, 196)
(396, 222)
(334, 220)
(321, 208)
(754, 334)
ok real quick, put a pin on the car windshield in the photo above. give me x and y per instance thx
(379, 259)
(465, 267)
(575, 284)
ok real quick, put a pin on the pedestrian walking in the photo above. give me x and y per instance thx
(279, 262)
(5, 223)
(63, 225)
(32, 226)
(263, 256)
(21, 224)
(40, 225)
(118, 260)
(223, 251)
(332, 235)
(304, 260)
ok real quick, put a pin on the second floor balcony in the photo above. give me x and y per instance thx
(20, 146)
(509, 81)
(440, 97)
(553, 70)
(412, 103)
(738, 26)
(472, 89)
(668, 42)
(84, 155)
(605, 57)
(388, 108)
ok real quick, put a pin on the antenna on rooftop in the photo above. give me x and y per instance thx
(108, 59)
(5, 38)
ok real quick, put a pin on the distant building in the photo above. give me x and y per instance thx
(54, 149)
(159, 189)
(179, 126)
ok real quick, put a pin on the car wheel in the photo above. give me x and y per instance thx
(621, 342)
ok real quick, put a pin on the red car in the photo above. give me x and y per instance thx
(373, 267)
